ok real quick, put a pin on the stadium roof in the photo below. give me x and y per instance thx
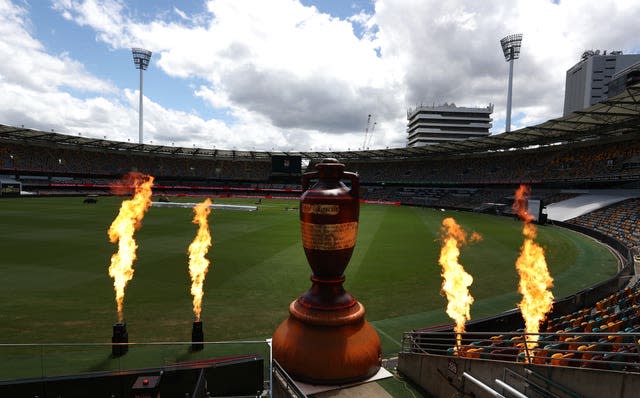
(617, 116)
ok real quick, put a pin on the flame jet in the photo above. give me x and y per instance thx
(198, 263)
(456, 281)
(535, 280)
(121, 231)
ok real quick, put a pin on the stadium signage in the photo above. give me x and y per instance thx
(10, 189)
(329, 210)
(453, 367)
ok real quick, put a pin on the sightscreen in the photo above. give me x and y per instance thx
(534, 209)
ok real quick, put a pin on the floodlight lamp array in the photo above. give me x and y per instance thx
(141, 58)
(511, 46)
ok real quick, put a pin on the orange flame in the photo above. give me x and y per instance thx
(121, 231)
(520, 203)
(535, 280)
(456, 280)
(198, 264)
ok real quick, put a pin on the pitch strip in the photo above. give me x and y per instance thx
(213, 206)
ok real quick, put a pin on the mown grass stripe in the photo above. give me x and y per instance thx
(55, 253)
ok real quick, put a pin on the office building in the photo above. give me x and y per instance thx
(587, 81)
(447, 122)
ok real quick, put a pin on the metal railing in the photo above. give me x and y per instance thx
(285, 382)
(29, 361)
(608, 350)
(482, 386)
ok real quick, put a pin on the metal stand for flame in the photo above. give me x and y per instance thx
(120, 335)
(197, 336)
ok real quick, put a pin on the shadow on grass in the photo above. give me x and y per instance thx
(187, 355)
(105, 365)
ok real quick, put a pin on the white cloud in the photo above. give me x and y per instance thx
(104, 16)
(35, 84)
(301, 70)
(292, 77)
(26, 62)
(451, 52)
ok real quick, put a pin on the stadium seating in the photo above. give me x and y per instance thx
(603, 336)
(33, 159)
(620, 221)
(550, 164)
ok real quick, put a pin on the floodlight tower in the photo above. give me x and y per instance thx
(511, 49)
(141, 59)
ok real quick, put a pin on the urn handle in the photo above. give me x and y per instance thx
(355, 183)
(347, 175)
(306, 179)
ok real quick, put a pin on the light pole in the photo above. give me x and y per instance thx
(141, 59)
(511, 49)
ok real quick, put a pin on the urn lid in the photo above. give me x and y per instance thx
(330, 168)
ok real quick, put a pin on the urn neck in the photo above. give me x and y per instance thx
(330, 170)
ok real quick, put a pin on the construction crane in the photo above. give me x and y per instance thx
(371, 134)
(366, 131)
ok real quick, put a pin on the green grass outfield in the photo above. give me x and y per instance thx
(54, 255)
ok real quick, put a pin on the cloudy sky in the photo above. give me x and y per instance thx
(289, 74)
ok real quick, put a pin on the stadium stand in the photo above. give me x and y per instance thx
(40, 160)
(595, 329)
(583, 162)
(587, 201)
(603, 336)
(620, 221)
(463, 182)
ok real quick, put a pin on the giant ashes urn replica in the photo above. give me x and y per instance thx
(326, 339)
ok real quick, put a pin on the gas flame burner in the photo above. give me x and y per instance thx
(120, 335)
(197, 336)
